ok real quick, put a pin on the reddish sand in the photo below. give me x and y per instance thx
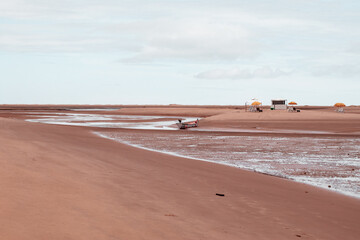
(309, 119)
(62, 182)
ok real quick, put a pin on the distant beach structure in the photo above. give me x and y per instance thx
(278, 104)
(339, 107)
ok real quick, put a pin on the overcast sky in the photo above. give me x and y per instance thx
(179, 51)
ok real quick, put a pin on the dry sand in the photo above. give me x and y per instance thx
(63, 182)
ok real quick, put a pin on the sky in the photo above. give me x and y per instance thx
(222, 52)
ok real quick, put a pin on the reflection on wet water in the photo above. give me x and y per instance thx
(321, 161)
(109, 121)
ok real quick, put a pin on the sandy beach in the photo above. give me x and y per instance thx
(65, 182)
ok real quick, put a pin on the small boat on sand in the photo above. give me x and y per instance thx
(182, 125)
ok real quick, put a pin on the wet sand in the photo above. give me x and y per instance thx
(63, 182)
(319, 161)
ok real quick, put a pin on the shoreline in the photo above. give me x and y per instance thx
(342, 192)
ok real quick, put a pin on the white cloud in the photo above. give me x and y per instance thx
(156, 31)
(338, 71)
(243, 73)
(172, 40)
(195, 39)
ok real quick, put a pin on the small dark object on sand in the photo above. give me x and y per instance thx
(298, 235)
(220, 194)
(329, 186)
(170, 215)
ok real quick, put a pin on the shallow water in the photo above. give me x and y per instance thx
(109, 121)
(94, 109)
(320, 161)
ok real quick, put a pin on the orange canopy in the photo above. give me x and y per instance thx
(339, 105)
(256, 103)
(292, 103)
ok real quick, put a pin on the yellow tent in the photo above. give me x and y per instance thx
(339, 105)
(292, 103)
(256, 103)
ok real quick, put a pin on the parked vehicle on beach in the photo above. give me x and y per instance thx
(182, 125)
